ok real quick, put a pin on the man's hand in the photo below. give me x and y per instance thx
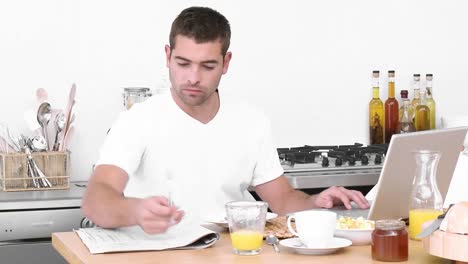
(340, 195)
(154, 215)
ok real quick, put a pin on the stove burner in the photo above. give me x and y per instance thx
(338, 155)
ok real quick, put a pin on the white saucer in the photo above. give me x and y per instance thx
(224, 222)
(296, 244)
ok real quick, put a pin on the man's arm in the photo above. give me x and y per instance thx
(103, 201)
(283, 199)
(105, 204)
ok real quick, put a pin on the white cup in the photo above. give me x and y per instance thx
(315, 228)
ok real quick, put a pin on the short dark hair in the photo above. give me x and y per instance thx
(202, 24)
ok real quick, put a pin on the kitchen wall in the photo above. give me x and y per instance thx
(306, 63)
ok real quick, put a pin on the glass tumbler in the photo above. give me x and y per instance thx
(246, 224)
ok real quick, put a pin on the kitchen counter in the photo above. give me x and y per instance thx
(69, 245)
(44, 198)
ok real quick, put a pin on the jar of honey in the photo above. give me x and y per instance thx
(390, 241)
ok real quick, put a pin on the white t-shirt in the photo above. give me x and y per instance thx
(202, 166)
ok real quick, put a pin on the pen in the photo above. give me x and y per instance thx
(169, 198)
(170, 204)
(169, 195)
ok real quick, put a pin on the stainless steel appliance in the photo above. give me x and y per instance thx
(325, 166)
(27, 220)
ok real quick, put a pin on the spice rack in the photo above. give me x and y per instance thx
(54, 165)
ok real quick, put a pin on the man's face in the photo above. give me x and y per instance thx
(195, 70)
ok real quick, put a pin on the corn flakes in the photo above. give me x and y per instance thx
(354, 223)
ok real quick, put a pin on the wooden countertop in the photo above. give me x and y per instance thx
(69, 245)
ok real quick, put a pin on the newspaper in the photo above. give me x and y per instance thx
(185, 235)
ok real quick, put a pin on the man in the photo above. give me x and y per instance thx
(193, 150)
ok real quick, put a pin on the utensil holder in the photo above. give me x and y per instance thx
(54, 165)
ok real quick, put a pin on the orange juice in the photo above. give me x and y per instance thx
(246, 240)
(417, 217)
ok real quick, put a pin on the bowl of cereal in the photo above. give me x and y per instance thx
(358, 230)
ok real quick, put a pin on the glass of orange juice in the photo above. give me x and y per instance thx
(417, 217)
(246, 224)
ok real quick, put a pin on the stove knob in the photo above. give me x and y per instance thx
(351, 161)
(309, 158)
(364, 160)
(378, 159)
(325, 162)
(338, 162)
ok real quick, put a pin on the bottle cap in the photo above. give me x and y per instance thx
(404, 93)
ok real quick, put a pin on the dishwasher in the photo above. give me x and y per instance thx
(27, 220)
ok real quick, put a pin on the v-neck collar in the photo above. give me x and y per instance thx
(194, 120)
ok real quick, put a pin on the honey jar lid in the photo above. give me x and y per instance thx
(389, 224)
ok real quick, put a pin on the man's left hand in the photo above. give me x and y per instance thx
(340, 195)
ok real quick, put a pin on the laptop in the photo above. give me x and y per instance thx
(394, 186)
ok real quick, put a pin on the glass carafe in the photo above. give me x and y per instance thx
(425, 200)
(132, 95)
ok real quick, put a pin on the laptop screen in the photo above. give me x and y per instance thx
(396, 178)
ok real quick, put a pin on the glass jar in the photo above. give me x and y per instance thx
(425, 199)
(390, 241)
(132, 95)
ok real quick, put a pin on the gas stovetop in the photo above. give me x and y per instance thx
(332, 158)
